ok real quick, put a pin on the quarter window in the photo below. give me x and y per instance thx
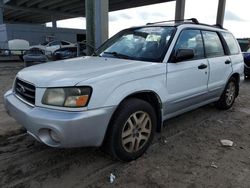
(231, 43)
(191, 39)
(213, 45)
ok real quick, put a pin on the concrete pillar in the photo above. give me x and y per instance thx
(97, 23)
(180, 9)
(54, 25)
(221, 12)
(1, 11)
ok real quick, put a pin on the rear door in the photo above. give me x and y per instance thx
(219, 62)
(234, 50)
(187, 80)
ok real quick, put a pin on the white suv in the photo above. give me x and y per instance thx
(139, 78)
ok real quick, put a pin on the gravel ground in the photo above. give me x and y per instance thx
(187, 153)
(8, 126)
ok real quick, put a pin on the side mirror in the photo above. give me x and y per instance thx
(183, 54)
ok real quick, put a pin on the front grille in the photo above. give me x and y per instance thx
(26, 91)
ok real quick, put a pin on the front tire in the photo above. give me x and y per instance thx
(228, 96)
(132, 130)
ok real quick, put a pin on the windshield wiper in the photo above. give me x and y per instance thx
(118, 55)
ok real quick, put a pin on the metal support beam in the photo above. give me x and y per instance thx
(42, 11)
(69, 8)
(48, 3)
(180, 9)
(97, 23)
(21, 2)
(63, 4)
(221, 12)
(1, 11)
(31, 3)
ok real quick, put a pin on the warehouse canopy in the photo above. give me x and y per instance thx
(42, 11)
(96, 13)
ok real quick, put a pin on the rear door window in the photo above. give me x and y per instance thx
(231, 43)
(213, 45)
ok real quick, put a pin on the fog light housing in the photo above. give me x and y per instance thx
(54, 136)
(49, 137)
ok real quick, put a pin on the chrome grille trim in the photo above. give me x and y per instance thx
(25, 91)
(32, 105)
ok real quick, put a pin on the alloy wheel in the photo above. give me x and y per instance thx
(230, 93)
(136, 131)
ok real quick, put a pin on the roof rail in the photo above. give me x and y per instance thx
(215, 25)
(218, 25)
(193, 20)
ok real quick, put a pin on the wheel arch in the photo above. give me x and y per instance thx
(154, 100)
(236, 76)
(146, 95)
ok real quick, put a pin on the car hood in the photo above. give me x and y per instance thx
(71, 72)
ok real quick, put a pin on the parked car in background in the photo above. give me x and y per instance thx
(64, 53)
(34, 56)
(139, 78)
(245, 48)
(51, 47)
(246, 56)
(67, 53)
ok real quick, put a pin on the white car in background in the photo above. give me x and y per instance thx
(51, 47)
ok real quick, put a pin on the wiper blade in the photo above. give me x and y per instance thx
(118, 55)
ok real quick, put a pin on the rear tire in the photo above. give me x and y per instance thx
(228, 96)
(132, 130)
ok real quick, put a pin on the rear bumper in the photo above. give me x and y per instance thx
(71, 129)
(35, 58)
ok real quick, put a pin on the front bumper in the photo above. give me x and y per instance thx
(71, 129)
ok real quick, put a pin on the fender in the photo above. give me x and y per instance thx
(157, 86)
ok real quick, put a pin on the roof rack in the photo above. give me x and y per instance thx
(193, 20)
(185, 21)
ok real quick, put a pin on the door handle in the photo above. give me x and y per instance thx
(227, 61)
(202, 66)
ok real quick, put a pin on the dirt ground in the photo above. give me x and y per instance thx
(187, 153)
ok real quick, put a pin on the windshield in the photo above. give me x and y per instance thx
(145, 44)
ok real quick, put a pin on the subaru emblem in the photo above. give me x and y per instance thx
(22, 89)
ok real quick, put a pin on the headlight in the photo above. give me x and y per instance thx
(71, 97)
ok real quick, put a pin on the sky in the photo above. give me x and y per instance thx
(237, 18)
